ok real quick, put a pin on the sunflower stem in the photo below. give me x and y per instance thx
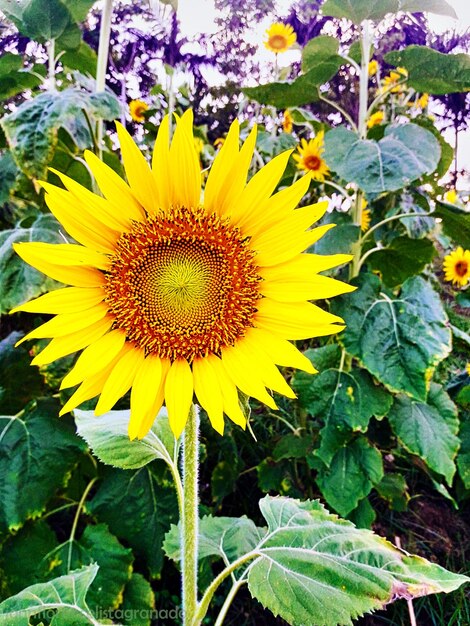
(51, 64)
(190, 518)
(102, 62)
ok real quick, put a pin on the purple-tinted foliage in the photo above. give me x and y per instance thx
(405, 30)
(305, 19)
(238, 15)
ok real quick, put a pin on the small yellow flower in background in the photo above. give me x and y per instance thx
(137, 109)
(375, 119)
(457, 266)
(373, 67)
(467, 368)
(365, 216)
(280, 37)
(173, 297)
(219, 142)
(310, 159)
(198, 144)
(287, 122)
(394, 77)
(423, 101)
(451, 196)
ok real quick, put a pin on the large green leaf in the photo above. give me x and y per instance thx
(21, 282)
(107, 436)
(8, 173)
(431, 71)
(314, 569)
(439, 7)
(428, 429)
(65, 594)
(37, 452)
(345, 400)
(463, 460)
(402, 258)
(96, 545)
(353, 471)
(225, 537)
(19, 382)
(359, 10)
(138, 602)
(399, 339)
(320, 62)
(32, 129)
(41, 20)
(405, 153)
(455, 223)
(14, 79)
(138, 509)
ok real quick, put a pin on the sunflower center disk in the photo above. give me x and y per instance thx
(461, 268)
(277, 41)
(183, 284)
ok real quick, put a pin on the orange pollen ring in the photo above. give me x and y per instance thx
(277, 41)
(312, 162)
(182, 284)
(461, 268)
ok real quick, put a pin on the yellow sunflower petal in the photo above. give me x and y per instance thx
(296, 320)
(297, 288)
(67, 323)
(90, 388)
(290, 246)
(207, 390)
(79, 223)
(228, 390)
(62, 346)
(120, 378)
(245, 375)
(114, 188)
(138, 172)
(63, 254)
(161, 164)
(149, 419)
(144, 394)
(68, 300)
(100, 208)
(95, 358)
(178, 395)
(281, 351)
(186, 177)
(219, 173)
(71, 275)
(304, 266)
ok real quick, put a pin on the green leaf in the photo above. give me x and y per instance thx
(353, 471)
(83, 59)
(19, 381)
(405, 153)
(32, 129)
(108, 438)
(433, 72)
(428, 429)
(37, 452)
(463, 459)
(223, 479)
(363, 515)
(270, 475)
(40, 20)
(138, 602)
(137, 509)
(65, 594)
(401, 339)
(321, 54)
(341, 238)
(13, 78)
(227, 538)
(98, 545)
(8, 173)
(455, 223)
(393, 489)
(359, 10)
(402, 258)
(21, 282)
(317, 570)
(79, 9)
(292, 446)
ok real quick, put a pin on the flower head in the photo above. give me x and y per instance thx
(280, 37)
(365, 216)
(451, 196)
(137, 108)
(287, 121)
(172, 296)
(394, 78)
(310, 159)
(373, 67)
(375, 119)
(457, 266)
(467, 368)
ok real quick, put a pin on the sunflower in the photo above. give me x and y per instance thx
(287, 121)
(394, 78)
(280, 37)
(137, 108)
(170, 296)
(372, 67)
(366, 217)
(310, 159)
(457, 266)
(375, 119)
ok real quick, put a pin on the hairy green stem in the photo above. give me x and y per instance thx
(102, 62)
(389, 219)
(190, 518)
(228, 601)
(51, 63)
(75, 521)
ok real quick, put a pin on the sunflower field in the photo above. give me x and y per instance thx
(235, 313)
